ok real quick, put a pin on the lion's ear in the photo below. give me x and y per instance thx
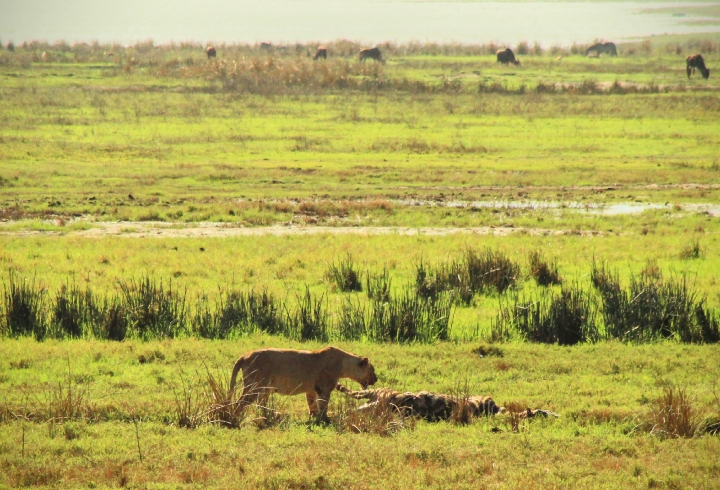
(364, 362)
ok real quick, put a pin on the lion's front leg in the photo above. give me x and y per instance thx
(322, 397)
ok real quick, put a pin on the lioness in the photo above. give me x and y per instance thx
(291, 372)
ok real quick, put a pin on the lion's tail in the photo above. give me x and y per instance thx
(236, 369)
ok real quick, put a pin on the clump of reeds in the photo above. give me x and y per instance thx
(565, 318)
(153, 310)
(409, 318)
(352, 322)
(474, 272)
(345, 276)
(24, 309)
(653, 308)
(310, 320)
(378, 285)
(75, 312)
(545, 273)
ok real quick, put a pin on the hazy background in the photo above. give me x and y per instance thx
(370, 21)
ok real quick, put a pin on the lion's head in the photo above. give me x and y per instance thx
(364, 373)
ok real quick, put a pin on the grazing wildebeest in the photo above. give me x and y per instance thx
(696, 61)
(320, 53)
(210, 51)
(265, 46)
(506, 56)
(602, 48)
(10, 46)
(373, 53)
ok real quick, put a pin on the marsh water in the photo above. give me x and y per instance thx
(371, 21)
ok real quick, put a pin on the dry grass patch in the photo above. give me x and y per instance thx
(676, 414)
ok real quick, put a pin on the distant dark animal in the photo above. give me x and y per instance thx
(266, 46)
(210, 52)
(696, 61)
(320, 53)
(372, 53)
(602, 48)
(10, 46)
(506, 56)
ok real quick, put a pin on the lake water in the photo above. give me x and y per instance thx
(369, 21)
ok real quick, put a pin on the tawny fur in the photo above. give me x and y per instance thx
(293, 372)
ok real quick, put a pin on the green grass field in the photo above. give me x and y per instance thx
(604, 393)
(261, 170)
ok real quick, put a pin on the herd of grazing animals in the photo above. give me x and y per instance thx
(504, 56)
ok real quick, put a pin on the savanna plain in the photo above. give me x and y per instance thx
(544, 233)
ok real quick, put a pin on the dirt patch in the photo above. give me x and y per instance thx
(221, 230)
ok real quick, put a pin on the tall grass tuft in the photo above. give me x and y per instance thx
(352, 322)
(411, 318)
(474, 272)
(68, 399)
(153, 310)
(675, 415)
(692, 251)
(114, 320)
(24, 308)
(222, 409)
(564, 318)
(188, 405)
(653, 308)
(76, 312)
(309, 321)
(344, 276)
(378, 285)
(544, 273)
